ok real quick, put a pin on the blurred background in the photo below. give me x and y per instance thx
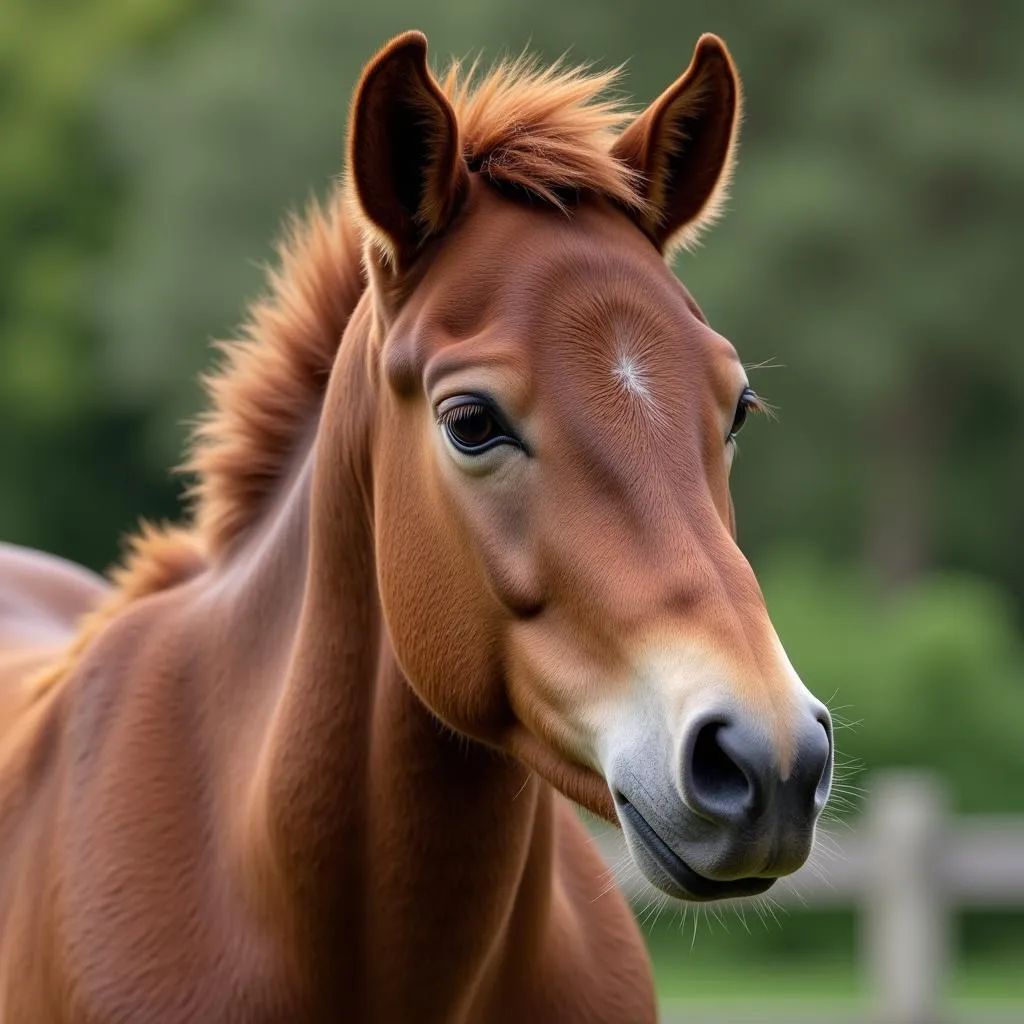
(869, 269)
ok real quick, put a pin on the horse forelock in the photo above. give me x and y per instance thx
(545, 131)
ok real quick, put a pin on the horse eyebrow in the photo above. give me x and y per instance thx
(460, 357)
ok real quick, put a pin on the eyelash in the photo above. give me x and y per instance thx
(749, 401)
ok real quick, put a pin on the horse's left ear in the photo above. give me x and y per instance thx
(683, 146)
(405, 160)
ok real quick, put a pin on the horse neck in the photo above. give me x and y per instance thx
(370, 820)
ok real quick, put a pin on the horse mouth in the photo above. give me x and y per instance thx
(683, 881)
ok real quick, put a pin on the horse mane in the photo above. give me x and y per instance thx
(542, 132)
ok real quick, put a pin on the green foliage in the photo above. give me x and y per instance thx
(58, 212)
(931, 676)
(55, 187)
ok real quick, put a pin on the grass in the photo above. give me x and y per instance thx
(814, 964)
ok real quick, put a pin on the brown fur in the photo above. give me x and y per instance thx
(313, 755)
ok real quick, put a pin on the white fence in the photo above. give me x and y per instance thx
(906, 866)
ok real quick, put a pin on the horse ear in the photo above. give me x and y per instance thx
(683, 147)
(405, 161)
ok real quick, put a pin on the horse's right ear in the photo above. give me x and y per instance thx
(405, 160)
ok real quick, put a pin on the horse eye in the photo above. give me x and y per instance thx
(473, 426)
(748, 399)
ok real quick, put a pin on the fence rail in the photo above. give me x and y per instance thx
(906, 866)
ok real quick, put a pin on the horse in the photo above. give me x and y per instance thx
(461, 555)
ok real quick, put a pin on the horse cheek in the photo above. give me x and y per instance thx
(443, 625)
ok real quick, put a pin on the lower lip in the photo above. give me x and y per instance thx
(693, 886)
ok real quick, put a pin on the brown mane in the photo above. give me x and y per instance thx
(271, 381)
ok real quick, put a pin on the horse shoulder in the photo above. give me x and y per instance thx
(109, 849)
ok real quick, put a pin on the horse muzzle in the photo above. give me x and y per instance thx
(723, 815)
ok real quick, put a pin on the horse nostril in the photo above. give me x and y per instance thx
(820, 751)
(732, 773)
(718, 781)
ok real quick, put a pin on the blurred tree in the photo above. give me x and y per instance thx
(66, 448)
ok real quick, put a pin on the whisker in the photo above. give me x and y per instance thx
(720, 918)
(767, 364)
(741, 913)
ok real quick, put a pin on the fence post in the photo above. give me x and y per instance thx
(905, 926)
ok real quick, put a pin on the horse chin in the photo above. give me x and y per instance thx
(667, 871)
